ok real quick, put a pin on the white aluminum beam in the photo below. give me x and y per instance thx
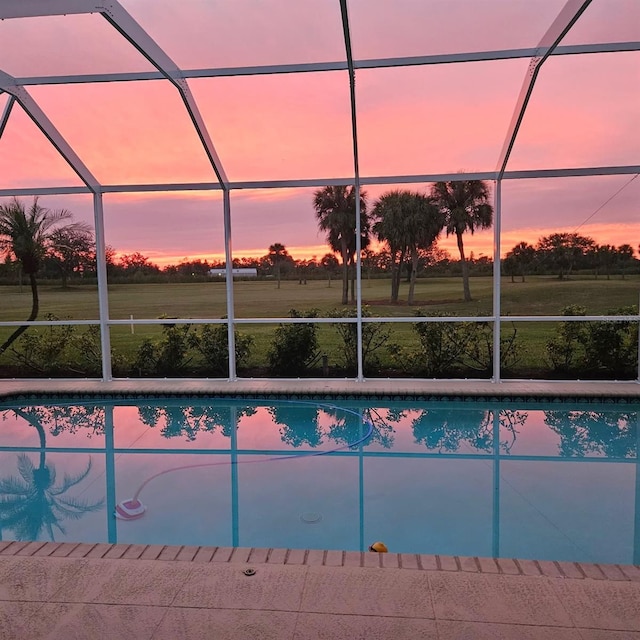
(497, 300)
(122, 21)
(24, 99)
(6, 113)
(567, 17)
(356, 173)
(103, 288)
(321, 182)
(310, 67)
(35, 8)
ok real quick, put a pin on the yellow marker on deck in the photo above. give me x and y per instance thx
(379, 547)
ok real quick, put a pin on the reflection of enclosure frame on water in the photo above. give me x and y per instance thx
(166, 69)
(495, 415)
(132, 508)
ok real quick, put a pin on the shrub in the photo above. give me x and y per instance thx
(212, 342)
(592, 349)
(294, 348)
(564, 350)
(611, 347)
(375, 336)
(442, 345)
(479, 352)
(167, 356)
(44, 349)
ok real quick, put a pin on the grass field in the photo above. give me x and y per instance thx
(260, 299)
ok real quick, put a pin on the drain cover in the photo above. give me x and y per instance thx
(311, 518)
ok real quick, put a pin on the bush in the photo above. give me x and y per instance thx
(595, 349)
(61, 349)
(442, 345)
(611, 347)
(295, 346)
(165, 357)
(479, 353)
(212, 342)
(565, 349)
(375, 336)
(44, 349)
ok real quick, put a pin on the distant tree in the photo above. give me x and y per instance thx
(407, 221)
(561, 251)
(465, 205)
(26, 235)
(335, 209)
(330, 264)
(137, 264)
(71, 250)
(189, 268)
(521, 257)
(277, 256)
(434, 255)
(625, 258)
(604, 258)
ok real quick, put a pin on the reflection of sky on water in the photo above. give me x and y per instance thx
(556, 485)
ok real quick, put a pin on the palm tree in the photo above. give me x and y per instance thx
(336, 212)
(34, 501)
(465, 205)
(407, 221)
(521, 256)
(277, 255)
(25, 235)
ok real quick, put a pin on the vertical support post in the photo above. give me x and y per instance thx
(103, 286)
(495, 541)
(497, 197)
(235, 519)
(638, 378)
(356, 172)
(361, 482)
(360, 377)
(110, 475)
(636, 515)
(228, 255)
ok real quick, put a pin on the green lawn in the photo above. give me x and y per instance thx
(536, 296)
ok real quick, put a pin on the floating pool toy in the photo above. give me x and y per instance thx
(379, 547)
(131, 509)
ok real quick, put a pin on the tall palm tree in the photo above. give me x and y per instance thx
(34, 500)
(25, 234)
(407, 221)
(336, 212)
(277, 254)
(465, 205)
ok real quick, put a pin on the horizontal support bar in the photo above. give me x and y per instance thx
(322, 182)
(327, 320)
(379, 63)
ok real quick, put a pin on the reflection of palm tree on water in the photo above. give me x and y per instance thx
(34, 500)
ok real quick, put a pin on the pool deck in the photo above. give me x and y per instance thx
(68, 591)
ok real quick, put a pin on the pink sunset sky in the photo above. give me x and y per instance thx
(411, 120)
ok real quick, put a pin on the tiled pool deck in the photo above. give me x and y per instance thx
(51, 590)
(68, 591)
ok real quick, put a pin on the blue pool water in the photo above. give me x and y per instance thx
(478, 478)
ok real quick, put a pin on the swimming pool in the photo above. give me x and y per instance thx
(526, 479)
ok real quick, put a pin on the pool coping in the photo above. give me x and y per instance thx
(327, 558)
(388, 389)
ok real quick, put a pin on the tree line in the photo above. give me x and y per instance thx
(36, 241)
